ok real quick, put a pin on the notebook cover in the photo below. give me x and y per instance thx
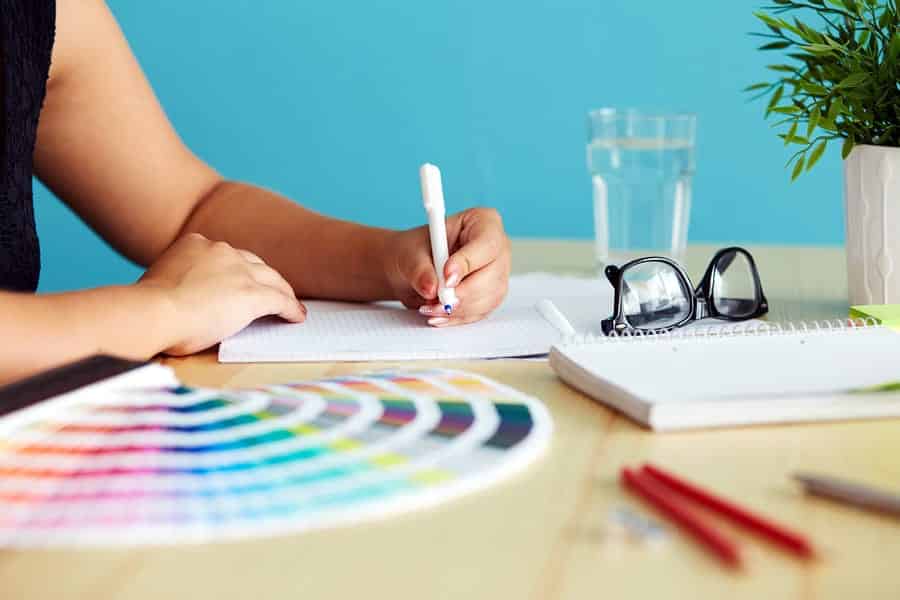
(60, 380)
(798, 374)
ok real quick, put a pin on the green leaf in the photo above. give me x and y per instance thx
(798, 167)
(776, 97)
(851, 5)
(816, 154)
(797, 139)
(819, 49)
(836, 108)
(853, 80)
(847, 147)
(792, 28)
(814, 89)
(885, 20)
(771, 22)
(791, 132)
(775, 45)
(894, 50)
(808, 33)
(756, 86)
(814, 116)
(864, 37)
(832, 43)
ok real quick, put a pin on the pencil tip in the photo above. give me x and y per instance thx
(448, 308)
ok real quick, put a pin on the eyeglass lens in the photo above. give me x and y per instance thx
(734, 290)
(654, 296)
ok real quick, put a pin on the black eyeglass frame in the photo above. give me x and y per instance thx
(618, 322)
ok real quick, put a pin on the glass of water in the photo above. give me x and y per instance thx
(641, 167)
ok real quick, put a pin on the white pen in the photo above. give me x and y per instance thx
(433, 198)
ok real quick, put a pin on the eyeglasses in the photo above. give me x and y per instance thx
(655, 294)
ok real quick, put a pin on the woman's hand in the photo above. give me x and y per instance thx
(478, 267)
(215, 290)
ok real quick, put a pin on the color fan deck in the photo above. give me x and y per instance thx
(195, 465)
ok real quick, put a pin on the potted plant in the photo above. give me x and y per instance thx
(841, 82)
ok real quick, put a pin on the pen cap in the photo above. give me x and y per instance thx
(432, 190)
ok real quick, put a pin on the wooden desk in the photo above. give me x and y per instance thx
(537, 536)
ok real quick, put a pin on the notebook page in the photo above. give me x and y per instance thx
(383, 333)
(585, 301)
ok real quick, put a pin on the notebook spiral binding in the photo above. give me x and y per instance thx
(739, 329)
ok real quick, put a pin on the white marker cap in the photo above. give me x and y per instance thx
(432, 189)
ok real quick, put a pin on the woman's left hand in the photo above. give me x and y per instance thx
(478, 267)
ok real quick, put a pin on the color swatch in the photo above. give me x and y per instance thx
(196, 465)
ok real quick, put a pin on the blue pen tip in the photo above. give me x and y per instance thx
(448, 308)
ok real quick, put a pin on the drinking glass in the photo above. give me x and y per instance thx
(641, 168)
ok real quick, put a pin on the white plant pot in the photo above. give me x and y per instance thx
(872, 200)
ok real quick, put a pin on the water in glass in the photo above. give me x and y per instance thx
(641, 168)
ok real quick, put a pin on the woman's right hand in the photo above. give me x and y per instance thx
(215, 290)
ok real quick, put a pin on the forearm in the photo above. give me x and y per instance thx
(42, 331)
(320, 256)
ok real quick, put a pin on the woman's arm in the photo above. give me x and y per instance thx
(328, 258)
(106, 147)
(41, 331)
(104, 144)
(196, 294)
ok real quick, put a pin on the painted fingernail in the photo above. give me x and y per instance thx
(438, 321)
(453, 280)
(430, 309)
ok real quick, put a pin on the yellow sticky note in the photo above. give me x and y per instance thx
(885, 314)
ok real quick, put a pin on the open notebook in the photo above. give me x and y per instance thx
(386, 330)
(340, 332)
(765, 374)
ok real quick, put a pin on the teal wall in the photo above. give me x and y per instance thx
(337, 103)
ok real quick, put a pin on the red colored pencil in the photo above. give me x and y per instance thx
(660, 497)
(774, 532)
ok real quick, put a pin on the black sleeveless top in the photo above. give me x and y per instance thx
(26, 40)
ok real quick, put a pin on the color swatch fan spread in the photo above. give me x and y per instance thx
(171, 465)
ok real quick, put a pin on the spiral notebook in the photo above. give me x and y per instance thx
(765, 373)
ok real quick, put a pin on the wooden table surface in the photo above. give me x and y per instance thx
(539, 536)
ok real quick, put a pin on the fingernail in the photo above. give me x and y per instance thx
(430, 309)
(453, 280)
(438, 321)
